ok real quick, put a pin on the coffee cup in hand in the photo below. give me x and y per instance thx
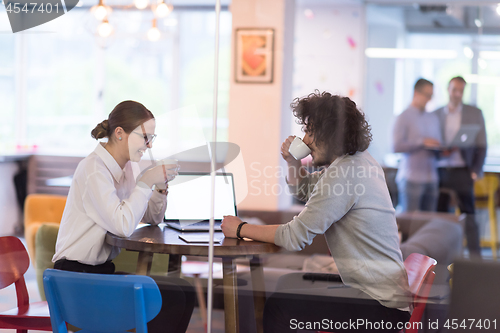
(298, 149)
(168, 164)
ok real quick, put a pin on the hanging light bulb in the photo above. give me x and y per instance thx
(482, 63)
(105, 29)
(162, 10)
(141, 4)
(154, 33)
(101, 11)
(468, 52)
(498, 9)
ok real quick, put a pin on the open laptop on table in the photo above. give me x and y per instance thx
(188, 205)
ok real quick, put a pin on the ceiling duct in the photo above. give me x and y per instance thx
(432, 8)
(428, 17)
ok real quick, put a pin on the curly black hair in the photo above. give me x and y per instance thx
(334, 121)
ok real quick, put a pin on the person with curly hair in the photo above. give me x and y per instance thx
(348, 202)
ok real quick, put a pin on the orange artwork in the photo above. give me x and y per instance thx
(254, 57)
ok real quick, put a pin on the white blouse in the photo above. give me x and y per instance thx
(103, 198)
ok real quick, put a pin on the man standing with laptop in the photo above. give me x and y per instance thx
(460, 166)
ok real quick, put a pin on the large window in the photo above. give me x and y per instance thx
(410, 46)
(59, 95)
(488, 91)
(7, 84)
(73, 79)
(441, 70)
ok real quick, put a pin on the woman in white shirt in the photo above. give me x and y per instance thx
(107, 194)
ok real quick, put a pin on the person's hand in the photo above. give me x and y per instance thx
(473, 175)
(159, 174)
(163, 191)
(447, 152)
(431, 143)
(284, 150)
(169, 172)
(230, 225)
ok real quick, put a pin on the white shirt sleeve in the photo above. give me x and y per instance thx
(157, 206)
(102, 204)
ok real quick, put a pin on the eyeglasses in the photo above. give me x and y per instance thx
(148, 138)
(427, 95)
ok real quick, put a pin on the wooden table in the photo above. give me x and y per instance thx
(160, 239)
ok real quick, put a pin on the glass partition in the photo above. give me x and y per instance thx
(334, 257)
(8, 84)
(72, 76)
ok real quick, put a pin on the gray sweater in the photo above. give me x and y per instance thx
(349, 203)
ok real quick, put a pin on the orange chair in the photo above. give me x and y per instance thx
(420, 270)
(38, 209)
(13, 264)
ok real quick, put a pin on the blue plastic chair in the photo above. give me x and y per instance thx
(99, 302)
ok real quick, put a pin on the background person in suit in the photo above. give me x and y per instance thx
(459, 167)
(415, 133)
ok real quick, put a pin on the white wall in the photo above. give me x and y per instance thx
(385, 28)
(255, 110)
(329, 49)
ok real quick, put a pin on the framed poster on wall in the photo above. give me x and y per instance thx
(254, 60)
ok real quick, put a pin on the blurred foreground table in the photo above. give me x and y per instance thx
(160, 239)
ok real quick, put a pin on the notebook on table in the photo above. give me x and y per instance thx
(188, 206)
(196, 238)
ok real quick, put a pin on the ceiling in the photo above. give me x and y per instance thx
(452, 18)
(434, 16)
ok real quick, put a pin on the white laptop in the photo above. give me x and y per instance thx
(188, 205)
(465, 137)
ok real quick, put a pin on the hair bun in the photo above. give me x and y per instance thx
(101, 130)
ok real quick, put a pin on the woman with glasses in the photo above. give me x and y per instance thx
(108, 194)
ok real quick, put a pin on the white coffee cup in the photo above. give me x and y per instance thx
(167, 161)
(298, 149)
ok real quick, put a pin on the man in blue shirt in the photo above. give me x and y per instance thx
(416, 133)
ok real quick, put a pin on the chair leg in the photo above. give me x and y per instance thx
(201, 300)
(493, 228)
